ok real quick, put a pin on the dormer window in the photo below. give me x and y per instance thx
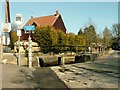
(35, 25)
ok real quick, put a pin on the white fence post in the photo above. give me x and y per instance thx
(38, 61)
(63, 60)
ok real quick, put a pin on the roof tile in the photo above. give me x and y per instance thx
(43, 21)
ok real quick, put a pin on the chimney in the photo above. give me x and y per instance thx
(57, 13)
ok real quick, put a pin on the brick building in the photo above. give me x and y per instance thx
(51, 20)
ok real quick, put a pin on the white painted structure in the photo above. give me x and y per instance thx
(119, 42)
(8, 40)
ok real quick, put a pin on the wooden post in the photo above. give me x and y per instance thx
(7, 20)
(7, 11)
(38, 61)
(1, 47)
(63, 60)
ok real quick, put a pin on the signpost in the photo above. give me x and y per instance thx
(19, 21)
(1, 45)
(6, 28)
(29, 29)
(18, 32)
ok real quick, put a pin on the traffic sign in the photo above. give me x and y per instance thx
(29, 28)
(19, 19)
(6, 27)
(18, 32)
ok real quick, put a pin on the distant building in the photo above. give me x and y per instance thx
(51, 20)
(119, 43)
(2, 40)
(116, 45)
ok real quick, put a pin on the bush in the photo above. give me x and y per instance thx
(26, 53)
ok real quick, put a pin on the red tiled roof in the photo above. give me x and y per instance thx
(43, 21)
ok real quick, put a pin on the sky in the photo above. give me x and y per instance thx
(75, 15)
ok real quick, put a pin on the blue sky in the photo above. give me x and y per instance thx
(75, 15)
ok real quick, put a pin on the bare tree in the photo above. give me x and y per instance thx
(116, 30)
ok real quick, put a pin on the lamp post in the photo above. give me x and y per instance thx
(19, 21)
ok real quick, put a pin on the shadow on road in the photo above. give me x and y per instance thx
(106, 72)
(46, 78)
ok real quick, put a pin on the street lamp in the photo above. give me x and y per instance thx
(19, 21)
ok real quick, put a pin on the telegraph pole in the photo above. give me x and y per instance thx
(7, 11)
(7, 20)
(1, 48)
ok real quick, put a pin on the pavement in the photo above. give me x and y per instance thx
(46, 78)
(14, 76)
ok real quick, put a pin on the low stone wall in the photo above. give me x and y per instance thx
(47, 60)
(85, 57)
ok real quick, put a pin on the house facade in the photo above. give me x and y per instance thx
(51, 20)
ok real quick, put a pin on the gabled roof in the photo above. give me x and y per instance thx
(43, 21)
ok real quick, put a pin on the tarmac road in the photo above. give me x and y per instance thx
(102, 73)
(46, 78)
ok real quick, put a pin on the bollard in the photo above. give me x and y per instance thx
(38, 61)
(63, 60)
(59, 60)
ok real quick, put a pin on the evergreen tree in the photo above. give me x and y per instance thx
(14, 38)
(116, 30)
(80, 32)
(107, 37)
(42, 36)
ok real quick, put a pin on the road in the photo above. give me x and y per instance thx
(102, 73)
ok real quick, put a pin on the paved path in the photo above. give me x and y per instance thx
(102, 73)
(14, 76)
(46, 78)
